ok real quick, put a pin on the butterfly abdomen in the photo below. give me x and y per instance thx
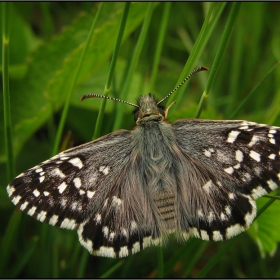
(165, 204)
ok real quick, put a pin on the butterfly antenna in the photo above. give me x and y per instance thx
(190, 75)
(93, 95)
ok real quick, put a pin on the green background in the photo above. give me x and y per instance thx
(46, 41)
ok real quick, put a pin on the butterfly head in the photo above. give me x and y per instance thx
(148, 110)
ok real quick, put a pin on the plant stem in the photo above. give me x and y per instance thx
(132, 66)
(6, 93)
(111, 71)
(217, 61)
(68, 97)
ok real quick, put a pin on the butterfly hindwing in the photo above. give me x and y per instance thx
(229, 163)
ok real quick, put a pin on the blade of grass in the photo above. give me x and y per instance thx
(8, 241)
(111, 270)
(24, 258)
(83, 263)
(98, 125)
(216, 258)
(160, 273)
(217, 61)
(55, 259)
(68, 97)
(197, 255)
(200, 43)
(6, 93)
(13, 225)
(161, 35)
(253, 91)
(133, 63)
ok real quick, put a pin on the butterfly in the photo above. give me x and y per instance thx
(132, 189)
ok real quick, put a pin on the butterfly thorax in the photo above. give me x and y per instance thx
(148, 110)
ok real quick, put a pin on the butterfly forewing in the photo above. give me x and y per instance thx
(67, 188)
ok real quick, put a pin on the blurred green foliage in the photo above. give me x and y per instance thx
(46, 40)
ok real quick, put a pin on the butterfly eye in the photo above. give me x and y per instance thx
(161, 110)
(136, 114)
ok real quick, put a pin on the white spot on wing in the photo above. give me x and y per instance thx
(63, 158)
(147, 241)
(136, 247)
(112, 235)
(207, 186)
(194, 232)
(207, 153)
(23, 206)
(74, 205)
(16, 199)
(231, 196)
(258, 191)
(46, 193)
(77, 182)
(36, 192)
(97, 218)
(123, 252)
(10, 190)
(255, 156)
(106, 252)
(247, 177)
(272, 131)
(42, 216)
(239, 155)
(104, 169)
(105, 231)
(253, 141)
(204, 235)
(38, 170)
(227, 209)
(232, 136)
(57, 172)
(272, 141)
(217, 235)
(90, 194)
(53, 220)
(68, 223)
(62, 187)
(41, 179)
(237, 166)
(76, 162)
(32, 211)
(116, 201)
(272, 156)
(234, 230)
(199, 213)
(223, 216)
(63, 202)
(272, 185)
(229, 170)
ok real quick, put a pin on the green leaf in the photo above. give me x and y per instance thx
(265, 230)
(43, 88)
